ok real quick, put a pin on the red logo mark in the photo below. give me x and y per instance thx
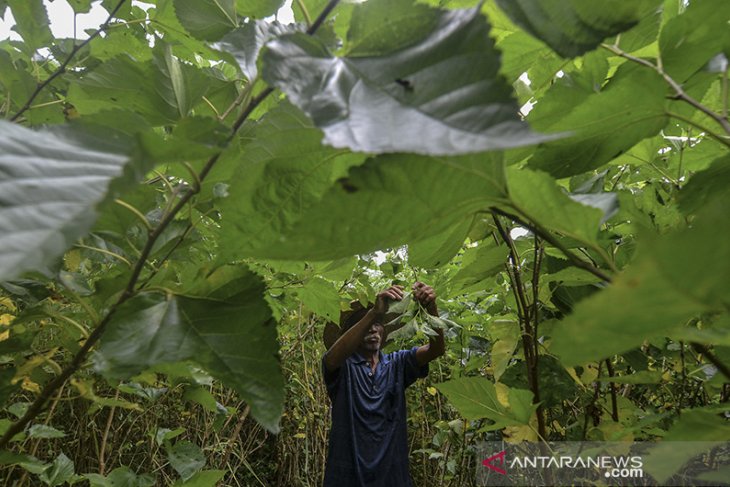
(500, 460)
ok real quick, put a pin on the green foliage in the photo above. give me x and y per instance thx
(51, 185)
(120, 476)
(359, 212)
(573, 28)
(207, 19)
(199, 191)
(31, 22)
(441, 96)
(658, 293)
(629, 108)
(476, 398)
(688, 41)
(227, 331)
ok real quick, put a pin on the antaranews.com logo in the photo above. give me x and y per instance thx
(608, 463)
(615, 467)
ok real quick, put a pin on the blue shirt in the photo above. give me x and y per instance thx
(368, 444)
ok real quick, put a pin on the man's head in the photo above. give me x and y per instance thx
(374, 337)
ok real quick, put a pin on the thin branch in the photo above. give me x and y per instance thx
(305, 12)
(528, 335)
(719, 138)
(591, 407)
(37, 406)
(680, 93)
(537, 264)
(545, 235)
(136, 212)
(724, 93)
(612, 390)
(105, 252)
(62, 68)
(322, 16)
(105, 437)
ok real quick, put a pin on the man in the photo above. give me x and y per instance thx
(368, 440)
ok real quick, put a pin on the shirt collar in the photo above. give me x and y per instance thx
(359, 359)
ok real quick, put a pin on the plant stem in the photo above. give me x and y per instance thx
(62, 68)
(680, 93)
(724, 94)
(537, 263)
(105, 437)
(718, 138)
(38, 404)
(612, 390)
(528, 335)
(591, 407)
(545, 235)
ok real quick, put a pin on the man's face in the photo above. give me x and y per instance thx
(373, 338)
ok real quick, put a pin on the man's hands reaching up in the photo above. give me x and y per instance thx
(425, 295)
(394, 292)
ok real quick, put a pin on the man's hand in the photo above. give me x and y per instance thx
(394, 292)
(436, 347)
(425, 295)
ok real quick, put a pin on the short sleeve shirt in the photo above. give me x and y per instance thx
(368, 444)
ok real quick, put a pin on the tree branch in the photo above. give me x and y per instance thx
(718, 138)
(680, 93)
(612, 390)
(548, 237)
(528, 335)
(62, 68)
(38, 404)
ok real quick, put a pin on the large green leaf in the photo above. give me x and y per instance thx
(245, 43)
(476, 398)
(186, 458)
(230, 333)
(120, 477)
(121, 41)
(258, 8)
(31, 22)
(162, 90)
(59, 472)
(164, 18)
(279, 175)
(538, 198)
(442, 95)
(688, 41)
(437, 250)
(603, 125)
(207, 19)
(80, 6)
(204, 478)
(378, 27)
(522, 53)
(477, 264)
(674, 278)
(573, 27)
(321, 297)
(122, 81)
(180, 85)
(49, 187)
(391, 200)
(705, 186)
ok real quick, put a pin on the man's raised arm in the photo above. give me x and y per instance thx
(436, 344)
